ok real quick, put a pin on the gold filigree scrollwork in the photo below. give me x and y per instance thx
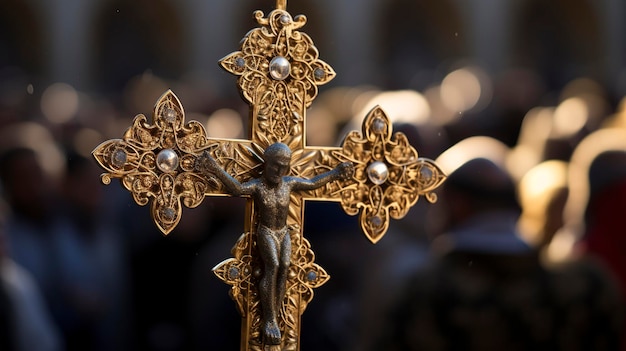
(238, 271)
(389, 176)
(243, 160)
(155, 161)
(279, 73)
(243, 271)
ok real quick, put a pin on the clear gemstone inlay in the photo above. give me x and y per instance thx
(233, 273)
(311, 276)
(319, 73)
(426, 174)
(167, 160)
(169, 115)
(378, 126)
(376, 221)
(240, 62)
(119, 158)
(378, 172)
(280, 68)
(169, 214)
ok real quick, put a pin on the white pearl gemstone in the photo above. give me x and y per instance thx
(378, 172)
(167, 160)
(279, 68)
(285, 19)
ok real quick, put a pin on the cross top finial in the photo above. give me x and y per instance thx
(281, 4)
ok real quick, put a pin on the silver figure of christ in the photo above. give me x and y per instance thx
(271, 195)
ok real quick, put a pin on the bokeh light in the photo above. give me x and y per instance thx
(537, 191)
(39, 139)
(590, 147)
(470, 148)
(466, 89)
(534, 133)
(569, 117)
(142, 91)
(59, 103)
(402, 106)
(223, 123)
(85, 140)
(321, 127)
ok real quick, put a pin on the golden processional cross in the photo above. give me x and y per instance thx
(279, 72)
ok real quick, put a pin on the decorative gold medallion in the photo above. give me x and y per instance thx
(279, 71)
(155, 162)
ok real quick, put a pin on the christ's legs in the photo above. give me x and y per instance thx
(283, 268)
(269, 250)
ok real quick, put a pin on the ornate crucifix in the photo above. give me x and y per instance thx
(169, 163)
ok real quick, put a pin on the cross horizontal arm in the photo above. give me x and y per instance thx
(208, 166)
(156, 161)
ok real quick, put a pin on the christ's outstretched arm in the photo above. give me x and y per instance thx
(207, 164)
(343, 171)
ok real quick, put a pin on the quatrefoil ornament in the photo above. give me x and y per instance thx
(279, 72)
(155, 161)
(389, 175)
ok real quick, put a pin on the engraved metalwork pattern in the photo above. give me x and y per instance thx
(279, 73)
(133, 160)
(389, 176)
(237, 272)
(243, 160)
(242, 273)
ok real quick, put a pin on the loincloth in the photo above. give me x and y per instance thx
(277, 235)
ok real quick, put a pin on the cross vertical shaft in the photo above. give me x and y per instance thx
(279, 72)
(279, 88)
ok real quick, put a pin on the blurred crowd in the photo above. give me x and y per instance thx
(524, 250)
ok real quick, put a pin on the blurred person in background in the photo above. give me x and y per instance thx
(402, 252)
(92, 261)
(25, 322)
(6, 313)
(456, 303)
(603, 241)
(487, 290)
(32, 226)
(214, 320)
(604, 237)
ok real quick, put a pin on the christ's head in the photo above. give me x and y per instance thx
(277, 162)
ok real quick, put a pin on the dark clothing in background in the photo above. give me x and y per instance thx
(7, 342)
(491, 302)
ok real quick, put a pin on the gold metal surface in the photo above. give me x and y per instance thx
(408, 176)
(133, 160)
(279, 71)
